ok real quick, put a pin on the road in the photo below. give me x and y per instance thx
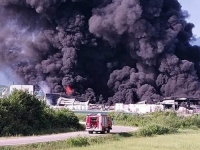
(58, 137)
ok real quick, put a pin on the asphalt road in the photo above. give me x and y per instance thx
(57, 137)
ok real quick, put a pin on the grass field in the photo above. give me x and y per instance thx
(181, 141)
(149, 124)
(184, 140)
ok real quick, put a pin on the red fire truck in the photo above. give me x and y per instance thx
(98, 123)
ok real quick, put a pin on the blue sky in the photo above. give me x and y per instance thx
(193, 8)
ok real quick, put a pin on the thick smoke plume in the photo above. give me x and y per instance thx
(107, 51)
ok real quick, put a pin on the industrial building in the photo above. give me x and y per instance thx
(58, 100)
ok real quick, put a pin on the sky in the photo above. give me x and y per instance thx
(192, 6)
(7, 76)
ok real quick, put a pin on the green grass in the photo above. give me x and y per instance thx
(148, 137)
(71, 142)
(81, 117)
(184, 140)
(170, 119)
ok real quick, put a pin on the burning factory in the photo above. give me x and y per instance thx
(105, 51)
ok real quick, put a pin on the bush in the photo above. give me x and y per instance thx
(190, 122)
(20, 113)
(81, 117)
(170, 119)
(23, 114)
(78, 142)
(150, 130)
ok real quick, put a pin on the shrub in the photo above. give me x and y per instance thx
(23, 114)
(81, 117)
(150, 130)
(170, 119)
(20, 113)
(78, 142)
(64, 118)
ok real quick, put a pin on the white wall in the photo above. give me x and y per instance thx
(29, 88)
(77, 107)
(138, 108)
(119, 107)
(145, 108)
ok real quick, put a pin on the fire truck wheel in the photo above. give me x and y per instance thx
(108, 131)
(90, 132)
(102, 132)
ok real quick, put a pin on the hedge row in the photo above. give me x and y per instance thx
(169, 119)
(23, 114)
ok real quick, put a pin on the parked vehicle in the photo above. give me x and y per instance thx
(98, 123)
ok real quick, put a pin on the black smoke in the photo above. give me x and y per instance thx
(107, 51)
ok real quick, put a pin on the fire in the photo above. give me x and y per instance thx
(68, 90)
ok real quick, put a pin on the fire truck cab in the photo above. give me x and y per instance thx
(98, 123)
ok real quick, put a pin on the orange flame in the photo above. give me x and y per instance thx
(68, 90)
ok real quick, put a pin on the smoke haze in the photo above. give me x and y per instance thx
(107, 51)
